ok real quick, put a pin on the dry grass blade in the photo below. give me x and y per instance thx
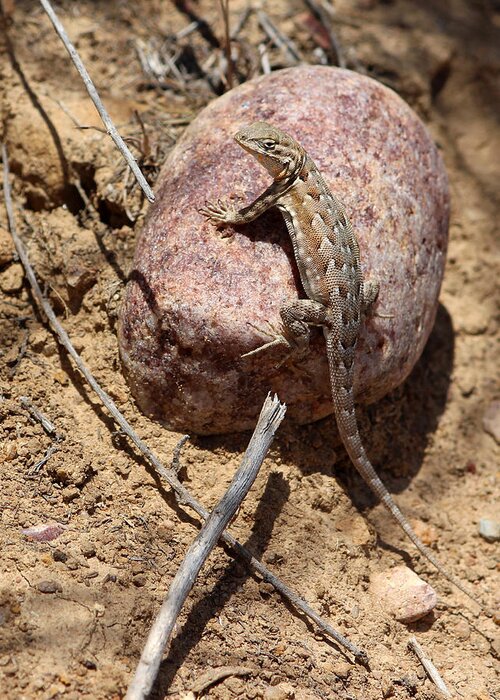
(270, 418)
(168, 474)
(94, 96)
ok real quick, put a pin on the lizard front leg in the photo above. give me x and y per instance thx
(297, 317)
(222, 213)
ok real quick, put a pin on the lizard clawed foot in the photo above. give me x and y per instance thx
(219, 212)
(278, 341)
(277, 338)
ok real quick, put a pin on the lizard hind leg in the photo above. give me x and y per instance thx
(297, 317)
(370, 296)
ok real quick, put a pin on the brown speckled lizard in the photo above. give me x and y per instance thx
(327, 255)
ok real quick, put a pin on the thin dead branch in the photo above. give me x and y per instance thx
(241, 22)
(94, 96)
(51, 431)
(270, 418)
(278, 38)
(46, 424)
(34, 470)
(224, 6)
(176, 464)
(215, 675)
(189, 29)
(168, 474)
(187, 8)
(264, 59)
(326, 20)
(431, 670)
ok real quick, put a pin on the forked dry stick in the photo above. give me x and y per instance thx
(94, 96)
(168, 474)
(270, 418)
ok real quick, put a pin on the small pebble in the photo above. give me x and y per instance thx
(427, 533)
(59, 555)
(11, 279)
(70, 493)
(342, 670)
(266, 589)
(49, 587)
(489, 530)
(462, 629)
(282, 691)
(87, 549)
(403, 594)
(491, 420)
(139, 580)
(45, 532)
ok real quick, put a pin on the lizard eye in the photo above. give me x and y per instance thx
(268, 145)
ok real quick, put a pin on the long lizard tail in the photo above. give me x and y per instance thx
(343, 400)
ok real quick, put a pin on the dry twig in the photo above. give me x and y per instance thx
(241, 22)
(46, 424)
(278, 38)
(94, 96)
(431, 670)
(264, 59)
(326, 20)
(168, 474)
(51, 431)
(176, 464)
(215, 675)
(270, 418)
(224, 6)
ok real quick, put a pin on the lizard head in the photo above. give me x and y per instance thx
(278, 152)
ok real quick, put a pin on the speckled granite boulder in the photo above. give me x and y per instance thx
(195, 300)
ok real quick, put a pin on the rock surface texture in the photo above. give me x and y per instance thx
(195, 302)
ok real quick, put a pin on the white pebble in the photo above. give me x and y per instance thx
(489, 530)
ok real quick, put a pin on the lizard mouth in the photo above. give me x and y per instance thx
(239, 137)
(246, 143)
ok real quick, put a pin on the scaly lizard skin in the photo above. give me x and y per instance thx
(327, 255)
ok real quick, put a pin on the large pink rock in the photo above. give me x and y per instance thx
(195, 301)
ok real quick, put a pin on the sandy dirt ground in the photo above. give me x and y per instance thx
(74, 611)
